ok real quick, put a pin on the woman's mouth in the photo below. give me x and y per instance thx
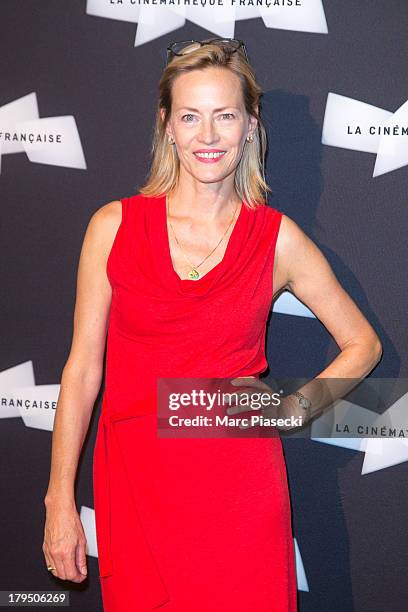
(209, 157)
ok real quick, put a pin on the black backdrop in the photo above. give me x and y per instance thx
(350, 527)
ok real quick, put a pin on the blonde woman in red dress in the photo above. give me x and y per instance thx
(182, 276)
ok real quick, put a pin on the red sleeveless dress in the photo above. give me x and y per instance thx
(201, 524)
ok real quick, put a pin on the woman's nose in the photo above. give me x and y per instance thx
(208, 132)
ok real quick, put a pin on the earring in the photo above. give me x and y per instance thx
(170, 140)
(250, 138)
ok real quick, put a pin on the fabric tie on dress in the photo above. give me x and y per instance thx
(155, 589)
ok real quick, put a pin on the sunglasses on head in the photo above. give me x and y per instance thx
(186, 46)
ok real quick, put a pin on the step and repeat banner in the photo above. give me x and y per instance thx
(78, 94)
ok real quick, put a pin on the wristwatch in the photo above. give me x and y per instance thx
(304, 403)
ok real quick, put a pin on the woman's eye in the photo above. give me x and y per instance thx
(186, 118)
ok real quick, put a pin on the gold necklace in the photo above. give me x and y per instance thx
(194, 274)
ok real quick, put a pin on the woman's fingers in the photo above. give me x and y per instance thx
(50, 560)
(71, 571)
(55, 561)
(238, 409)
(80, 559)
(64, 545)
(65, 567)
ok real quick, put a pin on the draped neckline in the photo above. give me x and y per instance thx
(187, 283)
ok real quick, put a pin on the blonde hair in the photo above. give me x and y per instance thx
(250, 183)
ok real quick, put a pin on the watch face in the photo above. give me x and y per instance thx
(305, 403)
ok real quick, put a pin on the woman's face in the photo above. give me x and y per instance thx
(209, 123)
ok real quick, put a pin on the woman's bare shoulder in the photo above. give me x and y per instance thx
(105, 222)
(300, 257)
(102, 228)
(292, 244)
(108, 214)
(290, 232)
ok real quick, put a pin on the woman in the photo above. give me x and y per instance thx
(184, 273)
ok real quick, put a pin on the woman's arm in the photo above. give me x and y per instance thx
(303, 270)
(82, 373)
(64, 543)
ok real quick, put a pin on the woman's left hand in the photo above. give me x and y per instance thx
(286, 408)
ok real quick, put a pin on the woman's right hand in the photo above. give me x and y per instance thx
(64, 545)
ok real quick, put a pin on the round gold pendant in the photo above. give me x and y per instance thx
(193, 274)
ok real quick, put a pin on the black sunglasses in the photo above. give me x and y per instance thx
(186, 46)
